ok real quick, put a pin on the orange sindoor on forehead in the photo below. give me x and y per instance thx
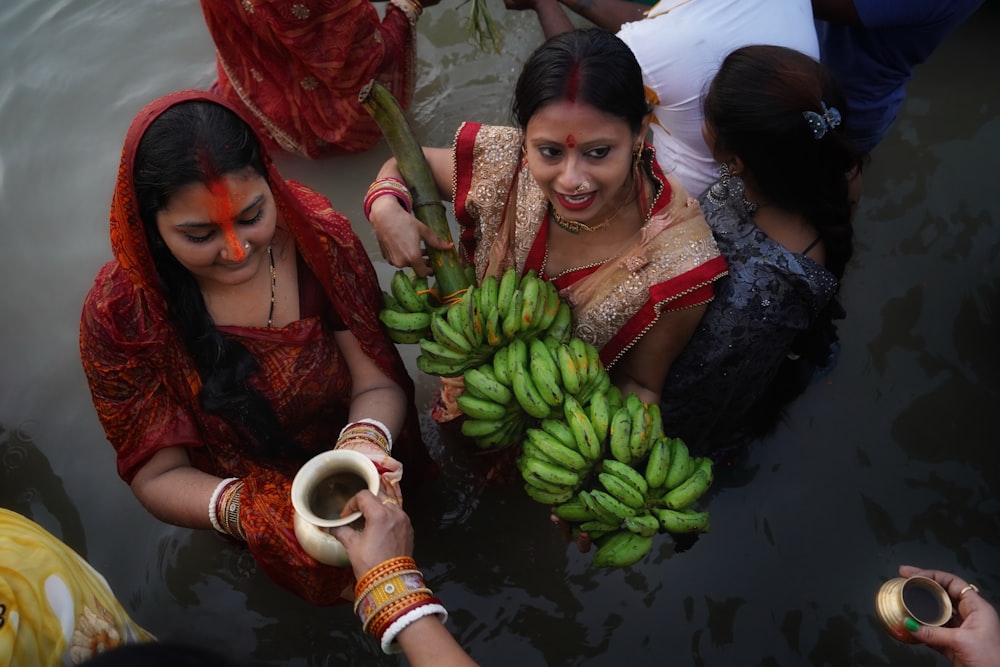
(570, 141)
(224, 214)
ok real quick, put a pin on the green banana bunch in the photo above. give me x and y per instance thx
(408, 307)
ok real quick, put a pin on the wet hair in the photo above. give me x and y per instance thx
(754, 106)
(198, 142)
(590, 66)
(159, 654)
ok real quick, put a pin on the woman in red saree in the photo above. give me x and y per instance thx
(576, 195)
(295, 68)
(235, 335)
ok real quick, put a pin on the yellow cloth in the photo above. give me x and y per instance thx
(55, 609)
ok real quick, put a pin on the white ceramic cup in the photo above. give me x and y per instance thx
(319, 491)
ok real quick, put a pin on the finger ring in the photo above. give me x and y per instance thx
(970, 587)
(392, 501)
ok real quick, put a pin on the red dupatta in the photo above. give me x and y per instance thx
(126, 333)
(297, 68)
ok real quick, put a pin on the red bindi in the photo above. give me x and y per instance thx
(570, 141)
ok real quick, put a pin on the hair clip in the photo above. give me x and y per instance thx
(818, 123)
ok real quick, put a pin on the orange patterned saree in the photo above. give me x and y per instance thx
(296, 68)
(146, 387)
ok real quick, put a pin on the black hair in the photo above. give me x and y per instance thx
(755, 108)
(592, 66)
(197, 142)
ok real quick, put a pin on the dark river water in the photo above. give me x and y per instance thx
(891, 459)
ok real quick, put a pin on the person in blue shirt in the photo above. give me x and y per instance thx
(873, 47)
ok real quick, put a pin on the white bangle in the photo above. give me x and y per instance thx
(401, 623)
(374, 422)
(212, 516)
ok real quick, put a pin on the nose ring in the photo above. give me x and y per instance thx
(583, 187)
(246, 245)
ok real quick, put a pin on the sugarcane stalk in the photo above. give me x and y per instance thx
(450, 268)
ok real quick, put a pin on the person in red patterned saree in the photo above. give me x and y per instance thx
(235, 335)
(296, 67)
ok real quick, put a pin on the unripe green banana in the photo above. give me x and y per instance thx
(688, 491)
(621, 490)
(539, 322)
(527, 393)
(494, 333)
(587, 498)
(560, 431)
(447, 335)
(612, 505)
(599, 412)
(556, 451)
(477, 319)
(598, 526)
(489, 289)
(627, 473)
(640, 440)
(501, 368)
(544, 373)
(462, 317)
(505, 291)
(658, 464)
(550, 307)
(487, 386)
(561, 327)
(480, 408)
(574, 510)
(644, 524)
(615, 399)
(390, 302)
(403, 290)
(530, 291)
(580, 356)
(439, 352)
(686, 521)
(511, 323)
(567, 370)
(394, 319)
(545, 497)
(597, 376)
(405, 336)
(440, 368)
(510, 432)
(622, 549)
(681, 465)
(480, 428)
(541, 484)
(619, 435)
(550, 472)
(583, 431)
(529, 449)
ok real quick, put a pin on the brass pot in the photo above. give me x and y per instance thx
(920, 598)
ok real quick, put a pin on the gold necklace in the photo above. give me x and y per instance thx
(575, 226)
(274, 276)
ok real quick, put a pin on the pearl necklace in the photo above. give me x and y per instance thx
(274, 276)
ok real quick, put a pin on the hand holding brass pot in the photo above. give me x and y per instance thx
(320, 490)
(916, 597)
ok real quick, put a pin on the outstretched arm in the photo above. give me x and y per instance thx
(608, 14)
(387, 534)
